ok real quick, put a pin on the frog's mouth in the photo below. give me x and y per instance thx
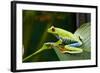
(48, 30)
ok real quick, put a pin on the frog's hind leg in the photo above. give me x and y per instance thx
(72, 50)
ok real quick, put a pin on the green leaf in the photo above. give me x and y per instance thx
(46, 46)
(84, 33)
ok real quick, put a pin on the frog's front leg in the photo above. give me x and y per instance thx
(54, 43)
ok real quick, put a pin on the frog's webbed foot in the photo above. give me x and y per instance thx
(64, 50)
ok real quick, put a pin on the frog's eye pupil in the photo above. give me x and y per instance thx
(53, 29)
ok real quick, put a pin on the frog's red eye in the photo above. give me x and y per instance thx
(53, 29)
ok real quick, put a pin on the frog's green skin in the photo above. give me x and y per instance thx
(68, 40)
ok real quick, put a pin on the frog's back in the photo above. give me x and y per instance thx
(65, 33)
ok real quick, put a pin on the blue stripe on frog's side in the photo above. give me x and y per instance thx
(75, 44)
(58, 37)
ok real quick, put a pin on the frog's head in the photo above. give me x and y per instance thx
(52, 30)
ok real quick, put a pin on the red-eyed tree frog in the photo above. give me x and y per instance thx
(67, 41)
